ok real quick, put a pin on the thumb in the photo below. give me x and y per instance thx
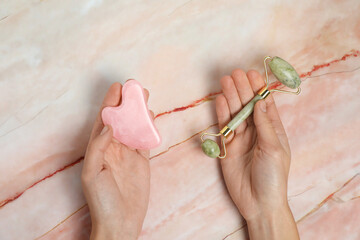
(94, 157)
(265, 131)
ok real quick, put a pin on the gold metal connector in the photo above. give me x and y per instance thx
(225, 131)
(264, 92)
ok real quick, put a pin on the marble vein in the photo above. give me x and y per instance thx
(318, 205)
(239, 229)
(57, 225)
(329, 197)
(6, 201)
(196, 134)
(32, 118)
(3, 18)
(179, 7)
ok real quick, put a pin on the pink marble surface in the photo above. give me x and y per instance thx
(59, 57)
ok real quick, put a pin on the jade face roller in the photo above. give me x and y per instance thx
(284, 72)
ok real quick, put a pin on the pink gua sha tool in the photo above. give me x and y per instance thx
(131, 122)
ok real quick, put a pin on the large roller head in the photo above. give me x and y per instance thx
(284, 72)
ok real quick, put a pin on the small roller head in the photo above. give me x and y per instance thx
(284, 72)
(210, 148)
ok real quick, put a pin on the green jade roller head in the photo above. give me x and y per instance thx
(284, 72)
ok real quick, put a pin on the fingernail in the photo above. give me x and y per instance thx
(263, 106)
(104, 130)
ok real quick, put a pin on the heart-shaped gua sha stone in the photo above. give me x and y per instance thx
(131, 122)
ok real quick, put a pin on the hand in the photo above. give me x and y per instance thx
(115, 179)
(258, 156)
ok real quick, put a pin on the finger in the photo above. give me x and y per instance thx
(146, 93)
(243, 86)
(94, 156)
(257, 83)
(112, 99)
(222, 110)
(267, 137)
(256, 80)
(276, 122)
(245, 93)
(144, 153)
(231, 94)
(223, 113)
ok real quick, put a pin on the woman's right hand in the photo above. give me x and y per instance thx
(115, 179)
(258, 159)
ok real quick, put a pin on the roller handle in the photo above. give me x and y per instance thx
(244, 113)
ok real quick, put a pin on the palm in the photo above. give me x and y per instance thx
(116, 178)
(248, 176)
(127, 172)
(238, 168)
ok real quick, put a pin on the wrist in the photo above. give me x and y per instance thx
(99, 232)
(275, 224)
